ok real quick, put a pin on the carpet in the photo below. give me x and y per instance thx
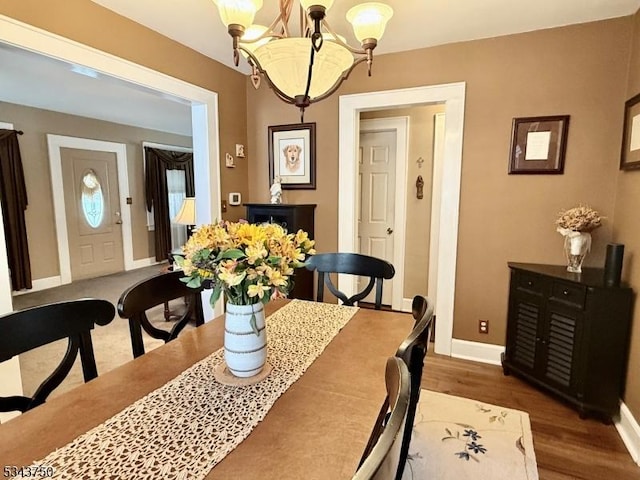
(111, 343)
(460, 438)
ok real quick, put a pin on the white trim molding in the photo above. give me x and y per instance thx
(400, 125)
(204, 108)
(145, 262)
(41, 284)
(629, 430)
(453, 96)
(476, 351)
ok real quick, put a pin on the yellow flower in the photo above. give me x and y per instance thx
(258, 290)
(255, 253)
(275, 277)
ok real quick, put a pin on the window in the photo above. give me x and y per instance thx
(92, 199)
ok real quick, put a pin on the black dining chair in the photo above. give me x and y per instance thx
(25, 330)
(413, 351)
(137, 300)
(384, 459)
(376, 269)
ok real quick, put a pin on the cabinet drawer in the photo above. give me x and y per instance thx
(529, 282)
(568, 293)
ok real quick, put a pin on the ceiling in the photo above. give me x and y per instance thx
(196, 23)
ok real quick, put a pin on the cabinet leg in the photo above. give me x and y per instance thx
(505, 371)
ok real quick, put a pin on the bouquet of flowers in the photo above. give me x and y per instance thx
(578, 219)
(250, 263)
(576, 225)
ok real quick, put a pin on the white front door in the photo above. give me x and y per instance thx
(92, 207)
(376, 212)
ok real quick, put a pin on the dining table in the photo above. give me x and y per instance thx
(317, 428)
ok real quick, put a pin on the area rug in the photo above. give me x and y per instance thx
(460, 438)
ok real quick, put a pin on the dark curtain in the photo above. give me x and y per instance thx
(13, 197)
(157, 162)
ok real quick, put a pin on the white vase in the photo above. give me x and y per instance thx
(576, 246)
(245, 353)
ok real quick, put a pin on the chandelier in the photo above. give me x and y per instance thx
(307, 68)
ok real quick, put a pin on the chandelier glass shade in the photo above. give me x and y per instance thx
(307, 68)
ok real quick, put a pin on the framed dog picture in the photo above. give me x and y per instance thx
(292, 155)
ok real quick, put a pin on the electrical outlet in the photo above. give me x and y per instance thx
(483, 326)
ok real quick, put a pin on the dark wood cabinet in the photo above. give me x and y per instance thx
(293, 218)
(569, 333)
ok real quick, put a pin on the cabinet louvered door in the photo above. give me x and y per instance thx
(525, 334)
(561, 342)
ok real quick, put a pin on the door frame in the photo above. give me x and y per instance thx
(54, 144)
(204, 109)
(453, 96)
(401, 127)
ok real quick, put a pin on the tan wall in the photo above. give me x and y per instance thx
(90, 24)
(416, 262)
(36, 124)
(578, 70)
(627, 231)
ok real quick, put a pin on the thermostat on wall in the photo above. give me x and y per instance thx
(235, 198)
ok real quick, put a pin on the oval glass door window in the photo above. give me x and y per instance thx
(92, 199)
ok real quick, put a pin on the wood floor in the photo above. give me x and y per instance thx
(566, 447)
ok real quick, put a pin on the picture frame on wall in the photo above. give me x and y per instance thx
(292, 155)
(630, 154)
(538, 145)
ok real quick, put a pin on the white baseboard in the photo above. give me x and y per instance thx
(41, 284)
(629, 431)
(476, 351)
(143, 262)
(406, 304)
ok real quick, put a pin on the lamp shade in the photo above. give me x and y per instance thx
(310, 3)
(369, 20)
(253, 32)
(238, 12)
(187, 213)
(286, 61)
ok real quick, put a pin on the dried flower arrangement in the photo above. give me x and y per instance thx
(578, 219)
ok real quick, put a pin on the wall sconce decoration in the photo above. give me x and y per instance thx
(420, 188)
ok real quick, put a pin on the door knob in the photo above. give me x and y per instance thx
(119, 220)
(389, 231)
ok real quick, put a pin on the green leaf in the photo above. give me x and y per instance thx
(232, 253)
(273, 260)
(215, 294)
(179, 260)
(254, 324)
(194, 282)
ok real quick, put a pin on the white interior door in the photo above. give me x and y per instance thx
(92, 207)
(376, 215)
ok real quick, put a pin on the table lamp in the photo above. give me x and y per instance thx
(187, 214)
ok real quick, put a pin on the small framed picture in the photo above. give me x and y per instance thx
(538, 145)
(292, 155)
(630, 155)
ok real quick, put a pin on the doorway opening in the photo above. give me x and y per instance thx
(448, 189)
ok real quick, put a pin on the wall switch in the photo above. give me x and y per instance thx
(483, 326)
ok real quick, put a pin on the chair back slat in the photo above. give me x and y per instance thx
(383, 461)
(28, 329)
(412, 351)
(353, 264)
(151, 292)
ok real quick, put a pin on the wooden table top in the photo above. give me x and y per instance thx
(317, 429)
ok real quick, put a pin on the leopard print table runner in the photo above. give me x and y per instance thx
(184, 428)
